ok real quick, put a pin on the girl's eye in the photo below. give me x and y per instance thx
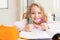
(32, 13)
(39, 13)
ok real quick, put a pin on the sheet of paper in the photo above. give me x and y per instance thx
(35, 35)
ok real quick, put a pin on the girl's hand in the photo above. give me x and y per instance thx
(44, 26)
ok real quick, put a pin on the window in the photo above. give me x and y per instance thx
(3, 4)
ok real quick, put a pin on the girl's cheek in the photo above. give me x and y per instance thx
(40, 15)
(32, 16)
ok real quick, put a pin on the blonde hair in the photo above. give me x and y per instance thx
(41, 8)
(25, 16)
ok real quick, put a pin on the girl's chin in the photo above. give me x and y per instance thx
(37, 21)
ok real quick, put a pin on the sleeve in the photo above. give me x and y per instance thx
(20, 24)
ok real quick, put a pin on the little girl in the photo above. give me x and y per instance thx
(38, 17)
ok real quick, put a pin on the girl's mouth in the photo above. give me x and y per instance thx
(37, 19)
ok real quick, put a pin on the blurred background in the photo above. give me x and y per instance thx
(14, 10)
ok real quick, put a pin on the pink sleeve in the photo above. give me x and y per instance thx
(20, 24)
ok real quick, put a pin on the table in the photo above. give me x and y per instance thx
(43, 35)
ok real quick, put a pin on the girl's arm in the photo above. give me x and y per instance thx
(26, 28)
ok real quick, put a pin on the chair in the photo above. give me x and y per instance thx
(9, 33)
(56, 37)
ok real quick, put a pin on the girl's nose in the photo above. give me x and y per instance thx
(36, 15)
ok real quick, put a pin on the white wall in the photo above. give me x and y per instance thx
(8, 16)
(57, 10)
(23, 7)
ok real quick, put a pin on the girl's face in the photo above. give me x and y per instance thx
(36, 14)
